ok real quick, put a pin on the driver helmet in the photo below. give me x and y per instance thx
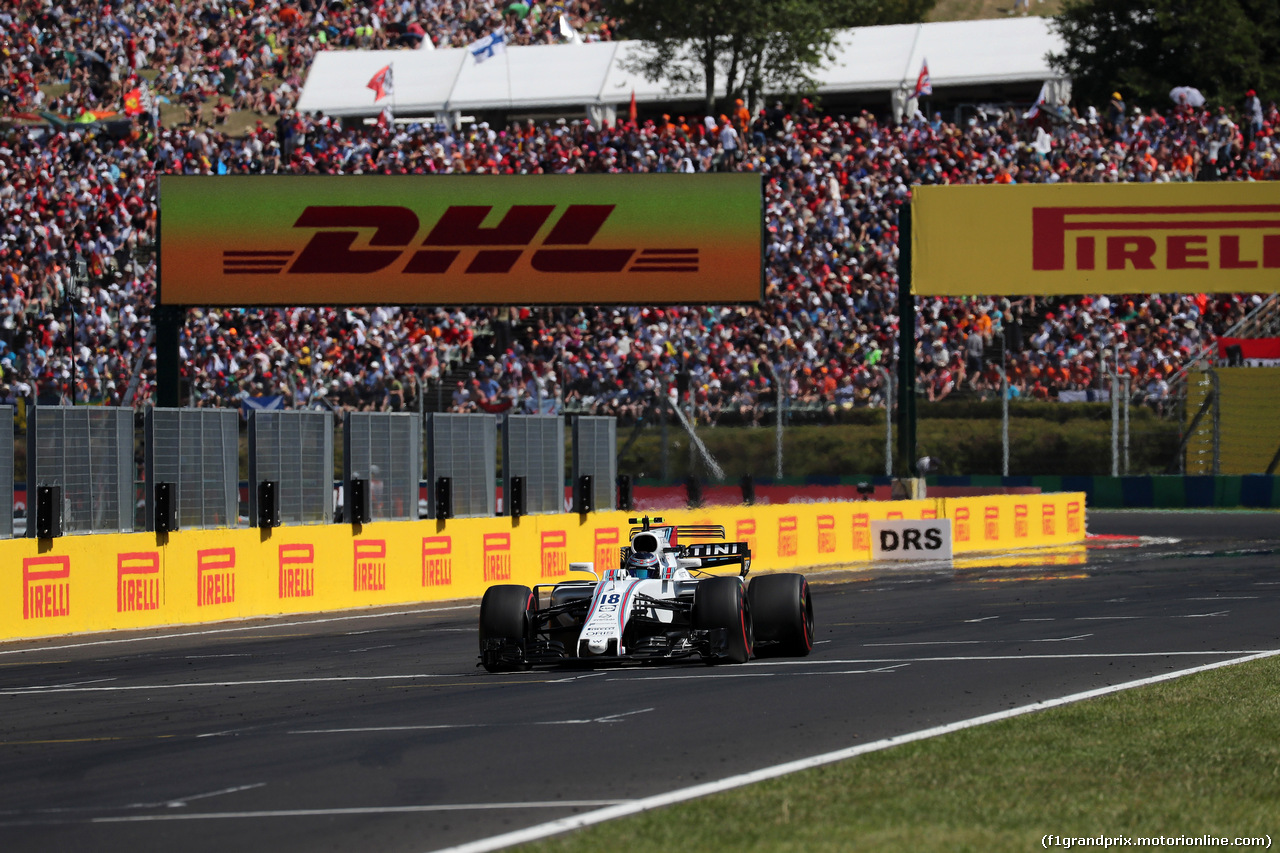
(643, 565)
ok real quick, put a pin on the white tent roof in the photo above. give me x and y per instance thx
(867, 59)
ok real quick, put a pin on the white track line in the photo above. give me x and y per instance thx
(680, 795)
(230, 630)
(458, 807)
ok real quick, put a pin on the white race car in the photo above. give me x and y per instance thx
(661, 604)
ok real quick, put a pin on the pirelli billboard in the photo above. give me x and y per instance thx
(1096, 238)
(449, 240)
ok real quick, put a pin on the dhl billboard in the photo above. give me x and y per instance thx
(78, 584)
(1095, 238)
(424, 239)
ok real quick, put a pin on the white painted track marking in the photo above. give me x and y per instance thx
(445, 807)
(611, 718)
(1226, 598)
(257, 626)
(40, 691)
(622, 675)
(631, 807)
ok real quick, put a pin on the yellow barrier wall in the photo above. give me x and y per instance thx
(98, 583)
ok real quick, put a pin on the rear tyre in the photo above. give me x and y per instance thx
(722, 603)
(782, 612)
(505, 616)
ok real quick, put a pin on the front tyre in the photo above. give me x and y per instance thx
(505, 626)
(783, 613)
(721, 603)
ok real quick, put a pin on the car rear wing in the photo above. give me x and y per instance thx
(691, 531)
(717, 554)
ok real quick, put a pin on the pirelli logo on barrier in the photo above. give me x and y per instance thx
(744, 530)
(369, 565)
(1096, 238)
(960, 528)
(296, 571)
(325, 240)
(1048, 520)
(215, 576)
(1173, 237)
(46, 587)
(607, 544)
(826, 534)
(138, 586)
(496, 549)
(554, 550)
(788, 536)
(991, 523)
(1075, 518)
(437, 561)
(1021, 521)
(861, 531)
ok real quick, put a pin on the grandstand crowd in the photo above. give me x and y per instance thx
(824, 338)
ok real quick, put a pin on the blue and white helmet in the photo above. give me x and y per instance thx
(643, 564)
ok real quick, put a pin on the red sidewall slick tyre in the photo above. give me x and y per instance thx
(783, 612)
(722, 603)
(504, 613)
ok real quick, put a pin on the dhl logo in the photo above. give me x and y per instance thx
(1021, 521)
(297, 571)
(788, 536)
(369, 565)
(826, 534)
(496, 548)
(607, 548)
(991, 523)
(1048, 523)
(1192, 237)
(437, 560)
(46, 587)
(495, 249)
(861, 531)
(555, 554)
(215, 576)
(1074, 517)
(138, 581)
(962, 524)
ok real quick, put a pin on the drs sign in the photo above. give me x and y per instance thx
(911, 540)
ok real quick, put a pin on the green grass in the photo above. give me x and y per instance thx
(1198, 755)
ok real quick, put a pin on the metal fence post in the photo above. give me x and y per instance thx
(1217, 423)
(888, 422)
(781, 396)
(1127, 399)
(1004, 423)
(1115, 424)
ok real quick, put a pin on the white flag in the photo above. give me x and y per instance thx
(567, 32)
(1041, 100)
(489, 46)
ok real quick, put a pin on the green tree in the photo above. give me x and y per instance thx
(752, 46)
(1144, 48)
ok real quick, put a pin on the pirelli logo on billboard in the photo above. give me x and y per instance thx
(1096, 238)
(332, 240)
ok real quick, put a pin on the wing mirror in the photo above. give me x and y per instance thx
(588, 568)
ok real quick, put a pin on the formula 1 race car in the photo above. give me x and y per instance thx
(662, 604)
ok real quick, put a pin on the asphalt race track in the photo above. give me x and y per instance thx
(377, 732)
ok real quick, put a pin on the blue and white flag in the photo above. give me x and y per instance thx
(274, 403)
(489, 46)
